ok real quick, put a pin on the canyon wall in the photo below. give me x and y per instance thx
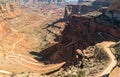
(82, 32)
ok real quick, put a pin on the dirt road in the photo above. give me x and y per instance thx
(37, 67)
(113, 60)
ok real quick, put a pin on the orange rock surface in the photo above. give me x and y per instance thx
(4, 29)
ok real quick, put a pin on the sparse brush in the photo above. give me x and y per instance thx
(27, 76)
(79, 74)
(100, 55)
(116, 51)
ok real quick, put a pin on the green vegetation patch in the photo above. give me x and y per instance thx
(100, 54)
(116, 51)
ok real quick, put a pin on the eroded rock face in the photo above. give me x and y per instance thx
(4, 29)
(81, 32)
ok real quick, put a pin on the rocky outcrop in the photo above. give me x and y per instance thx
(81, 32)
(72, 9)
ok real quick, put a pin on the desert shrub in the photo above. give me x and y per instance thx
(100, 54)
(79, 74)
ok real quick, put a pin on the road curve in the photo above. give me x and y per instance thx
(16, 44)
(37, 67)
(32, 64)
(113, 61)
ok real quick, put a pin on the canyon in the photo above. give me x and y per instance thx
(43, 41)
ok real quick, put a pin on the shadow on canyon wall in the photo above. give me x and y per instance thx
(79, 33)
